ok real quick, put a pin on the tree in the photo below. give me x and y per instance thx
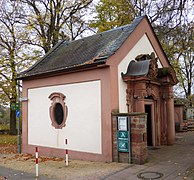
(112, 13)
(28, 29)
(167, 14)
(183, 61)
(53, 20)
(171, 22)
(4, 113)
(8, 43)
(13, 39)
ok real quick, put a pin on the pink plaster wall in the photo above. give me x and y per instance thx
(108, 103)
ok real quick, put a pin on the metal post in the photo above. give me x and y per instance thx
(19, 139)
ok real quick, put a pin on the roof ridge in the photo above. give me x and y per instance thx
(125, 29)
(104, 32)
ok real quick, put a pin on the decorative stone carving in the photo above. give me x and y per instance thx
(58, 110)
(167, 96)
(140, 94)
(152, 90)
(149, 90)
(153, 69)
(143, 57)
(129, 99)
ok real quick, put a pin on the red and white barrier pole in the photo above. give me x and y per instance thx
(36, 162)
(66, 153)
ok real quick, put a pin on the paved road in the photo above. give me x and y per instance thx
(174, 162)
(9, 174)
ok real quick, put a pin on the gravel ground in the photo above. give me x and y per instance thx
(55, 167)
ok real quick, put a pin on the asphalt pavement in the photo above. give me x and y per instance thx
(10, 174)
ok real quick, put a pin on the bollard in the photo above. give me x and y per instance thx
(66, 153)
(36, 162)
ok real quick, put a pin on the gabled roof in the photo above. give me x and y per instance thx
(82, 53)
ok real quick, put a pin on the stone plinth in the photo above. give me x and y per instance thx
(138, 139)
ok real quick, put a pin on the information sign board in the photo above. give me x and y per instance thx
(122, 123)
(14, 106)
(123, 135)
(123, 146)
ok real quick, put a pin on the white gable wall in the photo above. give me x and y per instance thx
(83, 125)
(143, 46)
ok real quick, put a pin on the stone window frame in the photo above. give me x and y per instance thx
(56, 98)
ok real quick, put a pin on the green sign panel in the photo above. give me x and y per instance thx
(123, 141)
(15, 106)
(123, 135)
(123, 146)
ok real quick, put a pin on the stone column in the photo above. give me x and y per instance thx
(170, 121)
(169, 114)
(140, 107)
(139, 94)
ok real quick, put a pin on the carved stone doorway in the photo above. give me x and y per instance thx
(149, 90)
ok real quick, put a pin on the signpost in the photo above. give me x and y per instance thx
(17, 108)
(23, 99)
(123, 135)
(17, 113)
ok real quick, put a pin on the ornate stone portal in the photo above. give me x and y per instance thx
(149, 90)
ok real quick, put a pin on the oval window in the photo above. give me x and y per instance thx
(58, 113)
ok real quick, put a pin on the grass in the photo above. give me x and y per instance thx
(4, 126)
(8, 139)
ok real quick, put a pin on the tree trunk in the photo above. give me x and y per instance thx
(13, 130)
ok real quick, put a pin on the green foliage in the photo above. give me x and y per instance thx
(112, 13)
